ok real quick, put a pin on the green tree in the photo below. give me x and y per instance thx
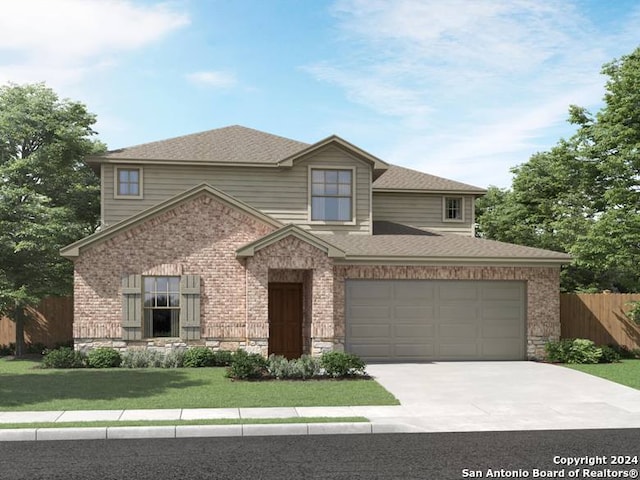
(48, 196)
(583, 195)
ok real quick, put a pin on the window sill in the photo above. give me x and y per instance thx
(331, 222)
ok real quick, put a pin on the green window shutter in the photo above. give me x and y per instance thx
(190, 307)
(132, 307)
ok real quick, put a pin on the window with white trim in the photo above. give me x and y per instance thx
(331, 195)
(452, 209)
(161, 307)
(128, 182)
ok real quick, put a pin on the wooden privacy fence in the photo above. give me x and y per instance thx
(599, 317)
(49, 324)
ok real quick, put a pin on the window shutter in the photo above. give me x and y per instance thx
(132, 307)
(190, 307)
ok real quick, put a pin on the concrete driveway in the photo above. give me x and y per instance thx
(473, 396)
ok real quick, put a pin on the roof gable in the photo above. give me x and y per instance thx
(342, 144)
(73, 250)
(250, 249)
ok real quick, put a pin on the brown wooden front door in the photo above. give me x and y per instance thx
(285, 319)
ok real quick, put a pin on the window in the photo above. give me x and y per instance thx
(128, 182)
(452, 209)
(161, 307)
(331, 195)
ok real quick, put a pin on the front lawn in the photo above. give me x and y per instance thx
(627, 372)
(23, 386)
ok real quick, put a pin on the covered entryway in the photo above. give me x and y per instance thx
(285, 319)
(405, 320)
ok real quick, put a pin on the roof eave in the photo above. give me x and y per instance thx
(147, 161)
(481, 261)
(477, 192)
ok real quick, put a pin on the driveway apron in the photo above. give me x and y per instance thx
(476, 396)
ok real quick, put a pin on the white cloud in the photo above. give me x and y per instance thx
(62, 41)
(216, 79)
(470, 80)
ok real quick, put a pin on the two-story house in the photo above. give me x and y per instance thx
(235, 238)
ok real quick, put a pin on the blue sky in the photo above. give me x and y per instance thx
(465, 89)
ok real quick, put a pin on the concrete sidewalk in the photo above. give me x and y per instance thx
(181, 431)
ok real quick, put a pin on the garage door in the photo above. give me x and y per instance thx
(403, 320)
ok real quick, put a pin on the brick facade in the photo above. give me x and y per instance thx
(269, 264)
(201, 235)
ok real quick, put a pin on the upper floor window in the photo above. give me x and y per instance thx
(128, 182)
(452, 209)
(331, 195)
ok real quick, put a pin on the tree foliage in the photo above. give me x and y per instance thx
(583, 195)
(48, 196)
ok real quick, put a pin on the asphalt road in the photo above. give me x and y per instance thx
(437, 456)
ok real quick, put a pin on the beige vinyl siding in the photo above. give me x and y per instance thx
(279, 192)
(421, 210)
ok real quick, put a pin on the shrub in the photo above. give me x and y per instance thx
(6, 350)
(634, 312)
(558, 352)
(65, 357)
(279, 367)
(39, 348)
(579, 350)
(625, 352)
(198, 357)
(339, 364)
(104, 357)
(222, 358)
(306, 367)
(609, 355)
(142, 358)
(246, 366)
(174, 358)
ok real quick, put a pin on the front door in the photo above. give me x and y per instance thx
(285, 319)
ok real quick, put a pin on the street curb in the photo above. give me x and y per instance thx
(202, 431)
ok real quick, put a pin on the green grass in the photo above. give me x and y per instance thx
(626, 372)
(24, 386)
(155, 423)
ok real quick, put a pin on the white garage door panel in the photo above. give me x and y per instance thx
(373, 313)
(371, 330)
(410, 351)
(372, 351)
(436, 319)
(418, 291)
(409, 312)
(501, 329)
(450, 330)
(414, 331)
(457, 351)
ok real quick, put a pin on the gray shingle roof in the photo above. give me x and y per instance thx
(402, 178)
(240, 145)
(234, 144)
(435, 246)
